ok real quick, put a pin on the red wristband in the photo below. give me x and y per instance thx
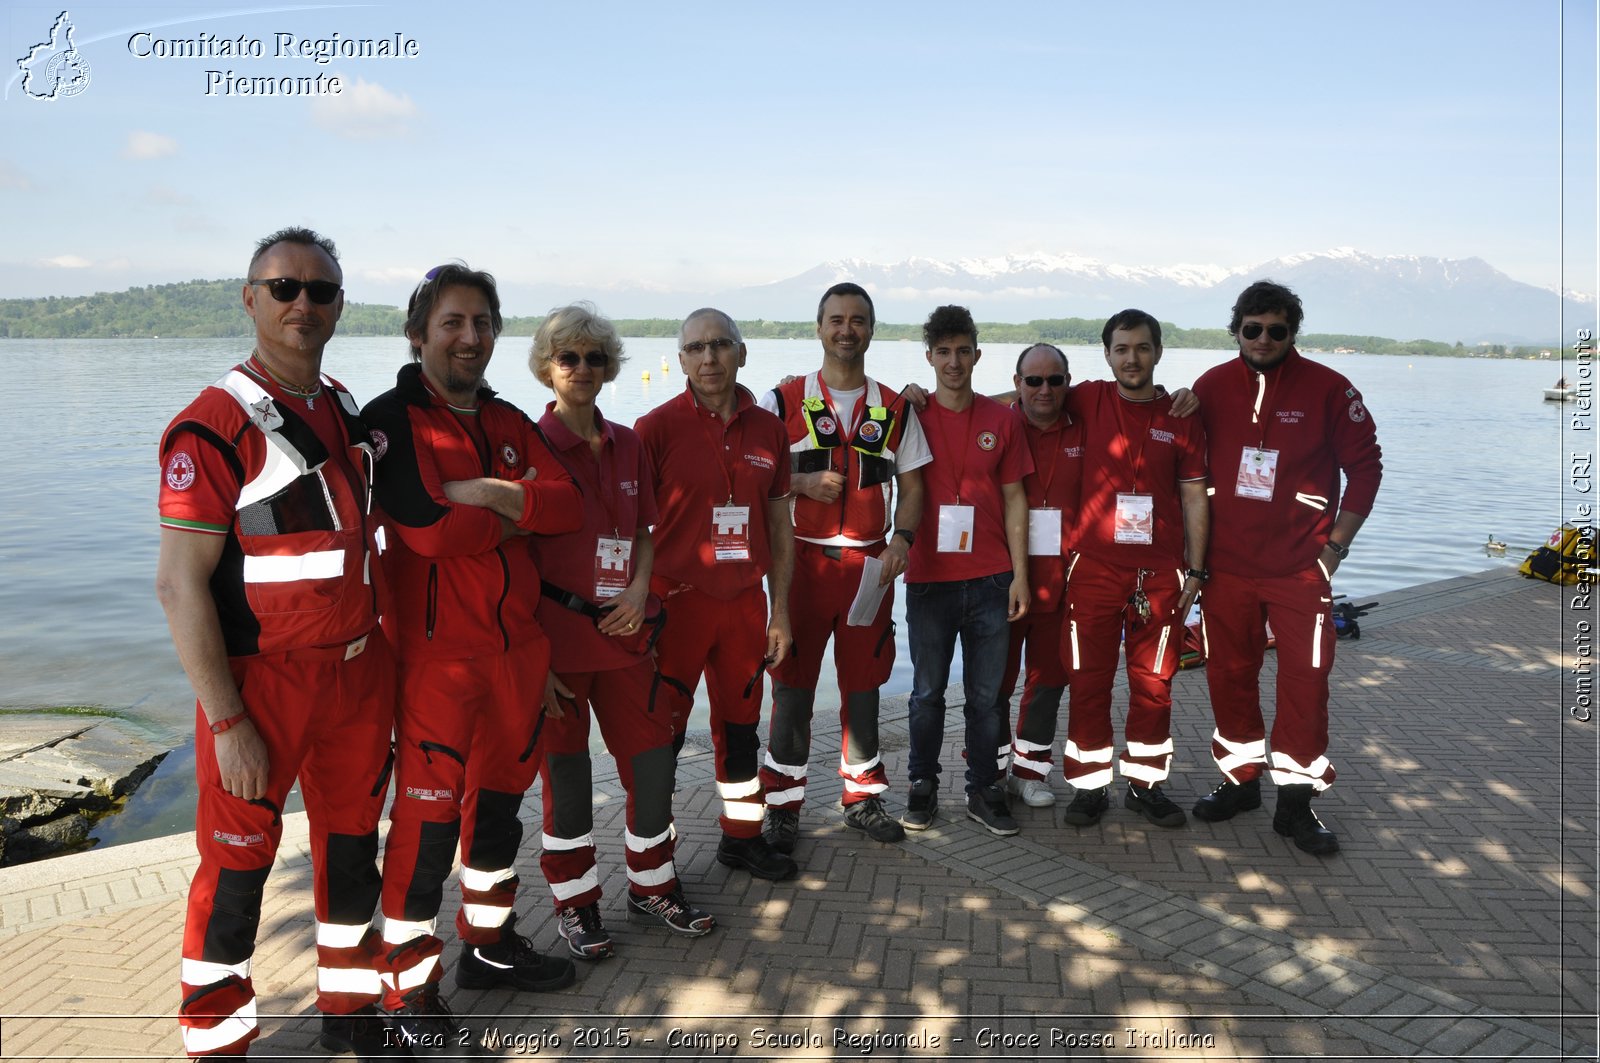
(232, 721)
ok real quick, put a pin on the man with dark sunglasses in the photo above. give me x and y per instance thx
(1055, 440)
(464, 477)
(721, 466)
(267, 576)
(1281, 429)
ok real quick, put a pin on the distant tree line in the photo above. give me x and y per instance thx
(202, 309)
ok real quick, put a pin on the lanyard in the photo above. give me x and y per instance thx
(719, 446)
(961, 440)
(1137, 461)
(1048, 478)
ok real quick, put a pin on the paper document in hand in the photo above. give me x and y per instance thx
(869, 596)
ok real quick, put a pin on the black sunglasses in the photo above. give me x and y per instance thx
(1055, 380)
(287, 289)
(1277, 332)
(570, 359)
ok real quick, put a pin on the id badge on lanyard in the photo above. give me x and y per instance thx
(955, 529)
(1258, 474)
(730, 533)
(1136, 518)
(1044, 531)
(613, 566)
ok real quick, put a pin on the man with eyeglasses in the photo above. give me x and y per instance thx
(721, 468)
(1055, 441)
(464, 477)
(852, 441)
(1138, 563)
(267, 573)
(1281, 430)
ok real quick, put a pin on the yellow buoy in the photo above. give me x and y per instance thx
(647, 375)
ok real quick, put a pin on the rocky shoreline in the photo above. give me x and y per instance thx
(59, 772)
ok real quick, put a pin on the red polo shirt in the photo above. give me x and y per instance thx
(700, 462)
(974, 452)
(1057, 474)
(618, 496)
(1139, 448)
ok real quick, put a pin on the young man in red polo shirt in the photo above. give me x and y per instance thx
(968, 572)
(1139, 563)
(721, 467)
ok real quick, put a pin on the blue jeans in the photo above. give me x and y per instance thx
(936, 613)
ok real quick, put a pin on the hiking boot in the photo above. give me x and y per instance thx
(1294, 819)
(363, 1033)
(757, 856)
(672, 912)
(424, 1025)
(585, 934)
(1154, 806)
(1087, 806)
(988, 806)
(869, 816)
(782, 828)
(1035, 793)
(922, 805)
(1228, 800)
(512, 961)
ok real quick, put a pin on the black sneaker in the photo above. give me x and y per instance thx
(363, 1033)
(512, 962)
(585, 934)
(1088, 805)
(782, 828)
(424, 1025)
(1228, 800)
(869, 816)
(756, 856)
(1154, 806)
(988, 806)
(672, 912)
(922, 805)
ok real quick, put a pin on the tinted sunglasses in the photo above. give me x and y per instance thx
(570, 359)
(287, 289)
(720, 345)
(1055, 380)
(1278, 332)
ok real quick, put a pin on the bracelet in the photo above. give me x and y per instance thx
(1201, 574)
(907, 534)
(1341, 552)
(232, 721)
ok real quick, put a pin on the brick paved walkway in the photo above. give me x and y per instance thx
(1458, 922)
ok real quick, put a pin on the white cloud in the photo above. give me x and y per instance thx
(66, 262)
(143, 145)
(395, 275)
(167, 196)
(11, 177)
(365, 110)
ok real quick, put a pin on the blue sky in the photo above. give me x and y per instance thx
(700, 147)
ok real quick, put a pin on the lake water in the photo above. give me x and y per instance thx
(1470, 451)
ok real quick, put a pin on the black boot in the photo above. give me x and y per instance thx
(1228, 800)
(1295, 819)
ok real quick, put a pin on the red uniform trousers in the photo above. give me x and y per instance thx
(727, 641)
(1045, 682)
(639, 736)
(1098, 617)
(467, 730)
(826, 579)
(1233, 621)
(325, 720)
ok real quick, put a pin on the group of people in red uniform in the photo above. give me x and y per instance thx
(434, 594)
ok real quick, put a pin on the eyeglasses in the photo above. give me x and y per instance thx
(570, 359)
(1278, 332)
(287, 289)
(720, 345)
(1055, 380)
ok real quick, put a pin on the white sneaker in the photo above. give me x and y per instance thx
(1035, 793)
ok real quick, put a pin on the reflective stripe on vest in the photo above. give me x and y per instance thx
(287, 568)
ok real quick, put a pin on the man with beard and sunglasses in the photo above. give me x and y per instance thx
(464, 478)
(1281, 429)
(267, 574)
(721, 467)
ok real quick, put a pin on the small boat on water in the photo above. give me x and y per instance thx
(1561, 392)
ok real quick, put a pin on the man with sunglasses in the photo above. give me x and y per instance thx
(267, 576)
(721, 467)
(1055, 441)
(1281, 431)
(852, 442)
(464, 477)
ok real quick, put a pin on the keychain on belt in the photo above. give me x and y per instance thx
(1138, 601)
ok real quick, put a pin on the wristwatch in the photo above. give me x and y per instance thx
(1341, 552)
(907, 534)
(1201, 574)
